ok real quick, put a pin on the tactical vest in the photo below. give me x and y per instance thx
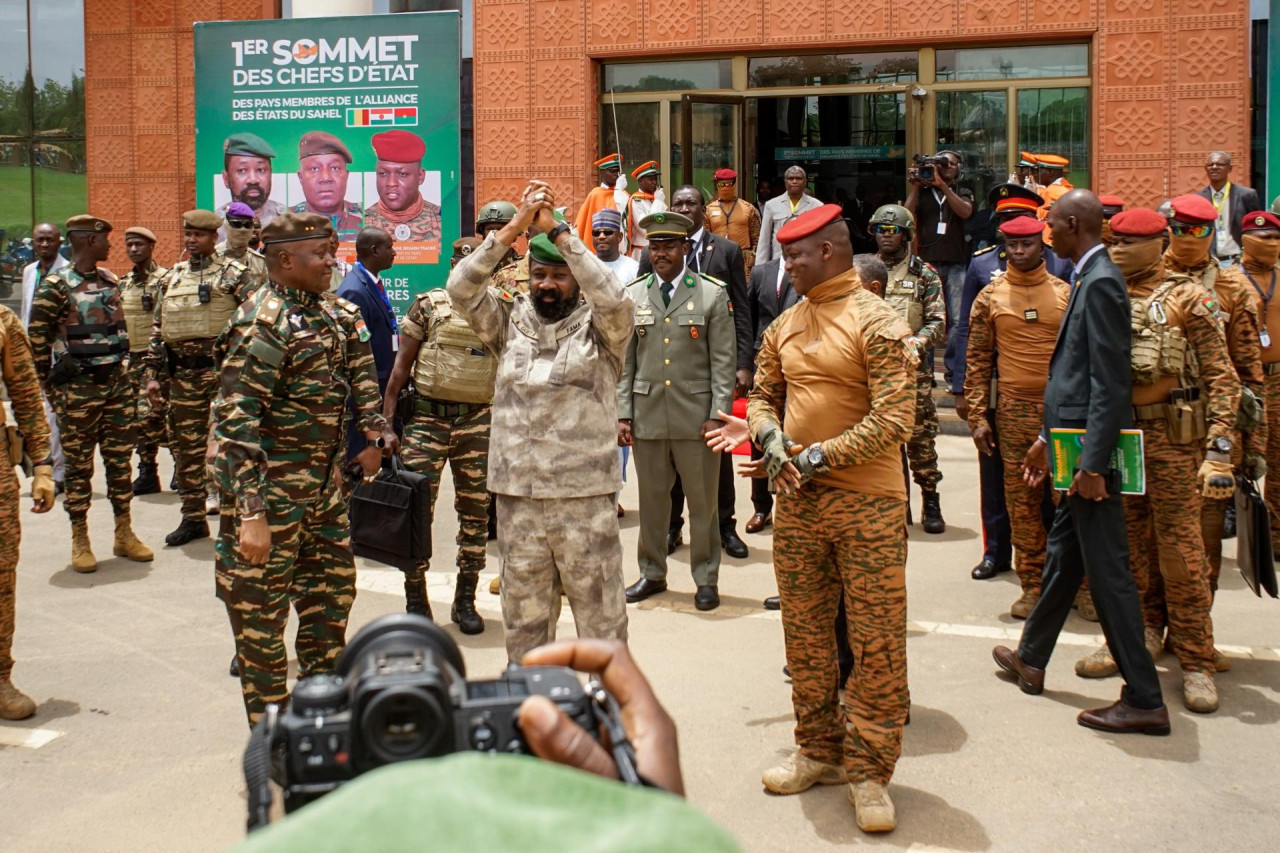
(94, 330)
(905, 294)
(182, 315)
(1159, 349)
(453, 364)
(139, 302)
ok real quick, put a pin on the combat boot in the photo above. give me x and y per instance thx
(931, 513)
(14, 704)
(872, 807)
(415, 593)
(464, 613)
(1199, 693)
(1022, 608)
(128, 545)
(800, 773)
(82, 559)
(1084, 606)
(189, 530)
(495, 585)
(1221, 663)
(1100, 664)
(1154, 641)
(148, 482)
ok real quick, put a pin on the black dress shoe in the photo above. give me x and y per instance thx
(988, 569)
(643, 588)
(733, 544)
(188, 531)
(234, 671)
(706, 598)
(773, 602)
(674, 540)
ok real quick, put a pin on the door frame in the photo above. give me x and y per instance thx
(687, 100)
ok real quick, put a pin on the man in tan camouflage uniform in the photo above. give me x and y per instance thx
(401, 210)
(239, 229)
(79, 342)
(1178, 343)
(553, 459)
(833, 400)
(19, 375)
(139, 295)
(294, 355)
(1260, 262)
(914, 290)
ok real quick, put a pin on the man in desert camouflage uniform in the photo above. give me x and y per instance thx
(240, 226)
(830, 426)
(1178, 348)
(294, 354)
(19, 375)
(401, 210)
(139, 295)
(553, 459)
(200, 296)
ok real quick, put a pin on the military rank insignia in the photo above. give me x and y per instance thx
(1031, 315)
(693, 332)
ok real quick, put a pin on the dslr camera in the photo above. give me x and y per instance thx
(926, 166)
(400, 693)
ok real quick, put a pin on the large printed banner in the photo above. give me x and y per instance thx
(355, 118)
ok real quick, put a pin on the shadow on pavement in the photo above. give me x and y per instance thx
(115, 570)
(953, 533)
(923, 819)
(932, 732)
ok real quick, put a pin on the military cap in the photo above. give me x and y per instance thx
(248, 145)
(1026, 158)
(666, 224)
(726, 175)
(85, 222)
(1052, 161)
(1193, 209)
(609, 217)
(399, 146)
(201, 220)
(292, 227)
(239, 210)
(465, 246)
(1009, 197)
(542, 250)
(1022, 226)
(647, 168)
(318, 142)
(1139, 222)
(810, 222)
(1260, 221)
(609, 161)
(139, 231)
(1111, 205)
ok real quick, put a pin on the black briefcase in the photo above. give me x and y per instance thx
(391, 517)
(1253, 539)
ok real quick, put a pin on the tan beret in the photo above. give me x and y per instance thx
(291, 227)
(201, 220)
(318, 142)
(139, 231)
(85, 222)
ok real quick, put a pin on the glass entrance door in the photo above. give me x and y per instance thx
(975, 125)
(709, 128)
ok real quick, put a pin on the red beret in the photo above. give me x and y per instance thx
(809, 222)
(726, 175)
(1258, 220)
(1138, 222)
(1193, 209)
(399, 146)
(1022, 226)
(1111, 200)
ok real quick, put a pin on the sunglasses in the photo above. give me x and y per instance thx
(1191, 230)
(603, 232)
(889, 230)
(239, 223)
(725, 183)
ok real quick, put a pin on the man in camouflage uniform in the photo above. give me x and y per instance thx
(1017, 315)
(323, 163)
(833, 400)
(239, 229)
(200, 296)
(139, 295)
(1178, 348)
(1260, 262)
(80, 342)
(452, 373)
(553, 459)
(294, 354)
(19, 375)
(401, 210)
(914, 290)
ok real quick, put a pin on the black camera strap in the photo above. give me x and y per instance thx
(257, 769)
(609, 716)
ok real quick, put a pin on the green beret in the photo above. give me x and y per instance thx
(292, 227)
(85, 222)
(542, 250)
(666, 224)
(201, 220)
(249, 145)
(318, 142)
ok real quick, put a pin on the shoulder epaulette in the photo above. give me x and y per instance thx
(269, 309)
(991, 248)
(236, 265)
(641, 278)
(717, 282)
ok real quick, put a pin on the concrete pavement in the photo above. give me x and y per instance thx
(137, 743)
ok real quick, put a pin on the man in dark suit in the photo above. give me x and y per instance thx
(1233, 201)
(711, 255)
(1090, 388)
(375, 253)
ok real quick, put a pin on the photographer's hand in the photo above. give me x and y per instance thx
(555, 737)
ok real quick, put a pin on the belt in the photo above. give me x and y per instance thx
(1271, 369)
(100, 374)
(191, 362)
(446, 409)
(1153, 412)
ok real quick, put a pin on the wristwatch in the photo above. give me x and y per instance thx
(816, 457)
(554, 233)
(1221, 444)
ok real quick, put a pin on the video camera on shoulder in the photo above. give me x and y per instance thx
(400, 693)
(926, 165)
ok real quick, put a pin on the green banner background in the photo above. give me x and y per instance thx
(282, 79)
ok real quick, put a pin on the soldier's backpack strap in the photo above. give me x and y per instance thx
(440, 304)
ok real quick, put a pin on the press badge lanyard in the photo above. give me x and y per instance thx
(943, 207)
(1264, 337)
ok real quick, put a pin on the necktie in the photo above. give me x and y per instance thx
(667, 288)
(693, 257)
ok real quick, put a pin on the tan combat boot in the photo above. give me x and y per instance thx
(1022, 608)
(128, 545)
(800, 773)
(14, 704)
(494, 586)
(872, 806)
(1100, 664)
(1221, 663)
(1084, 606)
(82, 559)
(1199, 693)
(1154, 641)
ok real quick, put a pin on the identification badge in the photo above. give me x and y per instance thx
(942, 227)
(1265, 339)
(1031, 315)
(395, 343)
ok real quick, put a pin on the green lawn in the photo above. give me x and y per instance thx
(58, 196)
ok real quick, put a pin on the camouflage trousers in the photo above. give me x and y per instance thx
(569, 544)
(10, 534)
(153, 420)
(1018, 425)
(311, 567)
(1272, 496)
(428, 443)
(97, 416)
(922, 451)
(1213, 515)
(1166, 550)
(828, 543)
(190, 392)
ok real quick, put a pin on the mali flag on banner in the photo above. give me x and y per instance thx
(382, 117)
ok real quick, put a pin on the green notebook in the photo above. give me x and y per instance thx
(1064, 451)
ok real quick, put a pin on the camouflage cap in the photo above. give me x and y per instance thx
(201, 220)
(139, 231)
(85, 222)
(248, 145)
(318, 142)
(292, 227)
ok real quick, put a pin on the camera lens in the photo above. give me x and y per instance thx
(406, 722)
